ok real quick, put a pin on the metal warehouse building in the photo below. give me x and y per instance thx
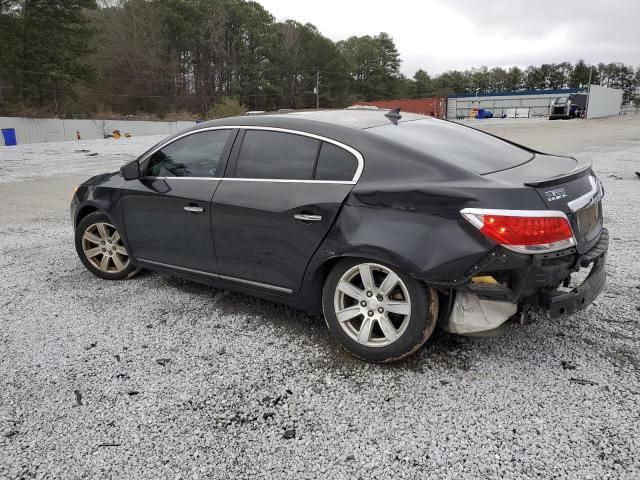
(537, 101)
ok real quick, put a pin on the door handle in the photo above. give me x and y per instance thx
(305, 217)
(193, 209)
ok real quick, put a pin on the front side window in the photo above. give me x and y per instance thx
(196, 155)
(276, 155)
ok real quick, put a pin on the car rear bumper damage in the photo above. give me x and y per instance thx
(559, 303)
(504, 282)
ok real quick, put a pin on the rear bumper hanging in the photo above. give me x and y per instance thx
(560, 304)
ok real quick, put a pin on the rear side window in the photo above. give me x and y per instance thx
(196, 155)
(335, 163)
(276, 155)
(459, 145)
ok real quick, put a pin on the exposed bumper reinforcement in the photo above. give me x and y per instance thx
(560, 303)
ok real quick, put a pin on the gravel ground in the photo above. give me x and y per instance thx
(87, 157)
(162, 378)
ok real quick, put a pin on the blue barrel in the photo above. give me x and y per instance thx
(9, 135)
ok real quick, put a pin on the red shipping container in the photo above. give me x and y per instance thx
(426, 106)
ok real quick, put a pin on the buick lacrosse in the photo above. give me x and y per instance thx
(389, 224)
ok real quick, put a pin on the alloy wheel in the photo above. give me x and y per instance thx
(103, 248)
(372, 304)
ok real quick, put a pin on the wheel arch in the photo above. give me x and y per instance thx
(89, 207)
(85, 210)
(317, 276)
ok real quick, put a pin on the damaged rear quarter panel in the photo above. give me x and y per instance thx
(418, 227)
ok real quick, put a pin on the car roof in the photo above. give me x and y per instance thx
(358, 119)
(354, 118)
(351, 128)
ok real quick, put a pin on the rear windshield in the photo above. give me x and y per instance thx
(459, 145)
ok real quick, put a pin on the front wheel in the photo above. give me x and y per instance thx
(376, 312)
(100, 248)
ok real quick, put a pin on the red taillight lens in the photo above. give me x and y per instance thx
(525, 230)
(522, 230)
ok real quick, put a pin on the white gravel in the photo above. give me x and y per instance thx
(88, 157)
(178, 380)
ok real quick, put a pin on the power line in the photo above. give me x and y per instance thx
(174, 78)
(101, 94)
(53, 90)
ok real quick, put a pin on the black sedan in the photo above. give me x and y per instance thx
(389, 224)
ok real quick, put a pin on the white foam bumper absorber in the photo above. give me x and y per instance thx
(471, 314)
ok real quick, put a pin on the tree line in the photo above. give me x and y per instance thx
(179, 58)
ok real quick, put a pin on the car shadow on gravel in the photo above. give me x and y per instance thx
(232, 303)
(441, 351)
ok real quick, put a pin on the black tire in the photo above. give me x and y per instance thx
(83, 226)
(421, 322)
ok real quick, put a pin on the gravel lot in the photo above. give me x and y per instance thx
(162, 378)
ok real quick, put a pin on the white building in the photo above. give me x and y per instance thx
(537, 101)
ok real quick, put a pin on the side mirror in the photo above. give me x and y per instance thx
(131, 170)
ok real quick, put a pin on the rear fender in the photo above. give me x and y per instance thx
(324, 261)
(419, 228)
(409, 242)
(415, 228)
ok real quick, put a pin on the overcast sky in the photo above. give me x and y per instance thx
(443, 35)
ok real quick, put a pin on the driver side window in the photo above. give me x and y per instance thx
(196, 155)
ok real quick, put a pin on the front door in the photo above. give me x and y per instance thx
(280, 201)
(167, 211)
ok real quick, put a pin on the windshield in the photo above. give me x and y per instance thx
(454, 143)
(561, 100)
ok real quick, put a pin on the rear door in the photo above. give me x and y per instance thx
(167, 211)
(277, 202)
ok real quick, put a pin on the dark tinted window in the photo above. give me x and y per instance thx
(335, 163)
(462, 146)
(266, 154)
(196, 155)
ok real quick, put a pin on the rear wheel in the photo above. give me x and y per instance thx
(376, 312)
(101, 249)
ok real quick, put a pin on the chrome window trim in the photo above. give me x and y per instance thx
(275, 180)
(351, 150)
(218, 276)
(150, 177)
(271, 180)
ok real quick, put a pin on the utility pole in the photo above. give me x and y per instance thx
(317, 89)
(55, 101)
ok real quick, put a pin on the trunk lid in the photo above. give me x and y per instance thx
(564, 184)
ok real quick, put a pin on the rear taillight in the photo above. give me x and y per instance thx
(527, 231)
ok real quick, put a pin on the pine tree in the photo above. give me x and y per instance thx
(46, 40)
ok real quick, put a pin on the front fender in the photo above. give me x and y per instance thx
(102, 193)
